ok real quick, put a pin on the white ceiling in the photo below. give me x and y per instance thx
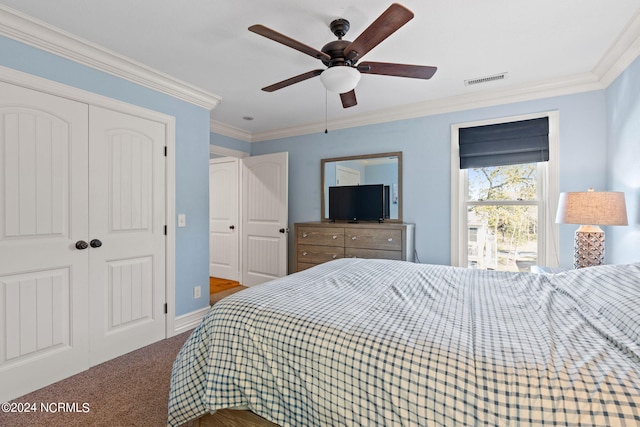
(205, 43)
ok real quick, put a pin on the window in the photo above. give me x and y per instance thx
(503, 210)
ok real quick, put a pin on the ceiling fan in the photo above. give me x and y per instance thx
(342, 56)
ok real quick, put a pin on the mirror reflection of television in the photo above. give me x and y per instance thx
(358, 203)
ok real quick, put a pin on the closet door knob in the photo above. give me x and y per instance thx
(95, 243)
(232, 227)
(81, 244)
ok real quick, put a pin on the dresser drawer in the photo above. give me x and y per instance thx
(316, 254)
(320, 242)
(373, 239)
(326, 236)
(372, 253)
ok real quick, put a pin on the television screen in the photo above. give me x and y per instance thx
(357, 202)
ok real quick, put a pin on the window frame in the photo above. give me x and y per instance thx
(547, 193)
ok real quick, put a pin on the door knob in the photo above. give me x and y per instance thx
(81, 244)
(284, 230)
(95, 243)
(231, 227)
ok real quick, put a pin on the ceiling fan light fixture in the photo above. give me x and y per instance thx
(340, 79)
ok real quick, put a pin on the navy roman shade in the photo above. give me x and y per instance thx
(525, 141)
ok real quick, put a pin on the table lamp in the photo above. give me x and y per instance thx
(591, 209)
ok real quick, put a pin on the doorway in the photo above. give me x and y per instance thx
(248, 218)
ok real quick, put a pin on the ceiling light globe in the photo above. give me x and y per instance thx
(340, 79)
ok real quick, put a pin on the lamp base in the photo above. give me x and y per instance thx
(589, 247)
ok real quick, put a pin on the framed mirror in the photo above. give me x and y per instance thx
(367, 169)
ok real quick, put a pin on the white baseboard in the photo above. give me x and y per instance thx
(189, 321)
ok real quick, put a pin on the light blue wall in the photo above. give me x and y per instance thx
(228, 142)
(192, 147)
(425, 143)
(623, 136)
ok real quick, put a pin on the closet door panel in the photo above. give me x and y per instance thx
(127, 216)
(43, 213)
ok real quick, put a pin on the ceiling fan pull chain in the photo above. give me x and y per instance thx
(326, 108)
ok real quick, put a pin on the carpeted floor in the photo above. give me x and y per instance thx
(131, 390)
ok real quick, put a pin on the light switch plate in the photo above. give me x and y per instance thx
(182, 220)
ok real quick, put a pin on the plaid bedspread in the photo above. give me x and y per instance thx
(391, 343)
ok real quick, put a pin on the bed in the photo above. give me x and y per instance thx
(357, 342)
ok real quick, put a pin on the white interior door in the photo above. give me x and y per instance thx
(224, 241)
(265, 217)
(44, 332)
(127, 219)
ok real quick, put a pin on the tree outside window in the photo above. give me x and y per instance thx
(502, 217)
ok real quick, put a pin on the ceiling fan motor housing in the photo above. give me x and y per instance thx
(335, 50)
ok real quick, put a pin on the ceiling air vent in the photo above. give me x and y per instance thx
(485, 79)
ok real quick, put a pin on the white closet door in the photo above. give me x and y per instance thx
(127, 217)
(44, 332)
(224, 227)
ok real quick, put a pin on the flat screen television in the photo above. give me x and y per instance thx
(358, 203)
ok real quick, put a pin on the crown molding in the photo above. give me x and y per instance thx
(574, 84)
(33, 32)
(622, 53)
(230, 131)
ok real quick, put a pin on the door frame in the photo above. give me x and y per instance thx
(29, 81)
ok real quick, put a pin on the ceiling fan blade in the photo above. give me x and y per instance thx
(348, 99)
(388, 23)
(288, 41)
(398, 70)
(296, 79)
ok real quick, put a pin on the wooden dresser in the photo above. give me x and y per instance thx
(318, 242)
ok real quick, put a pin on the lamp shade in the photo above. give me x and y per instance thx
(340, 78)
(592, 207)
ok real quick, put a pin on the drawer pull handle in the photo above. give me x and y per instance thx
(304, 253)
(304, 235)
(334, 237)
(335, 256)
(390, 239)
(353, 238)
